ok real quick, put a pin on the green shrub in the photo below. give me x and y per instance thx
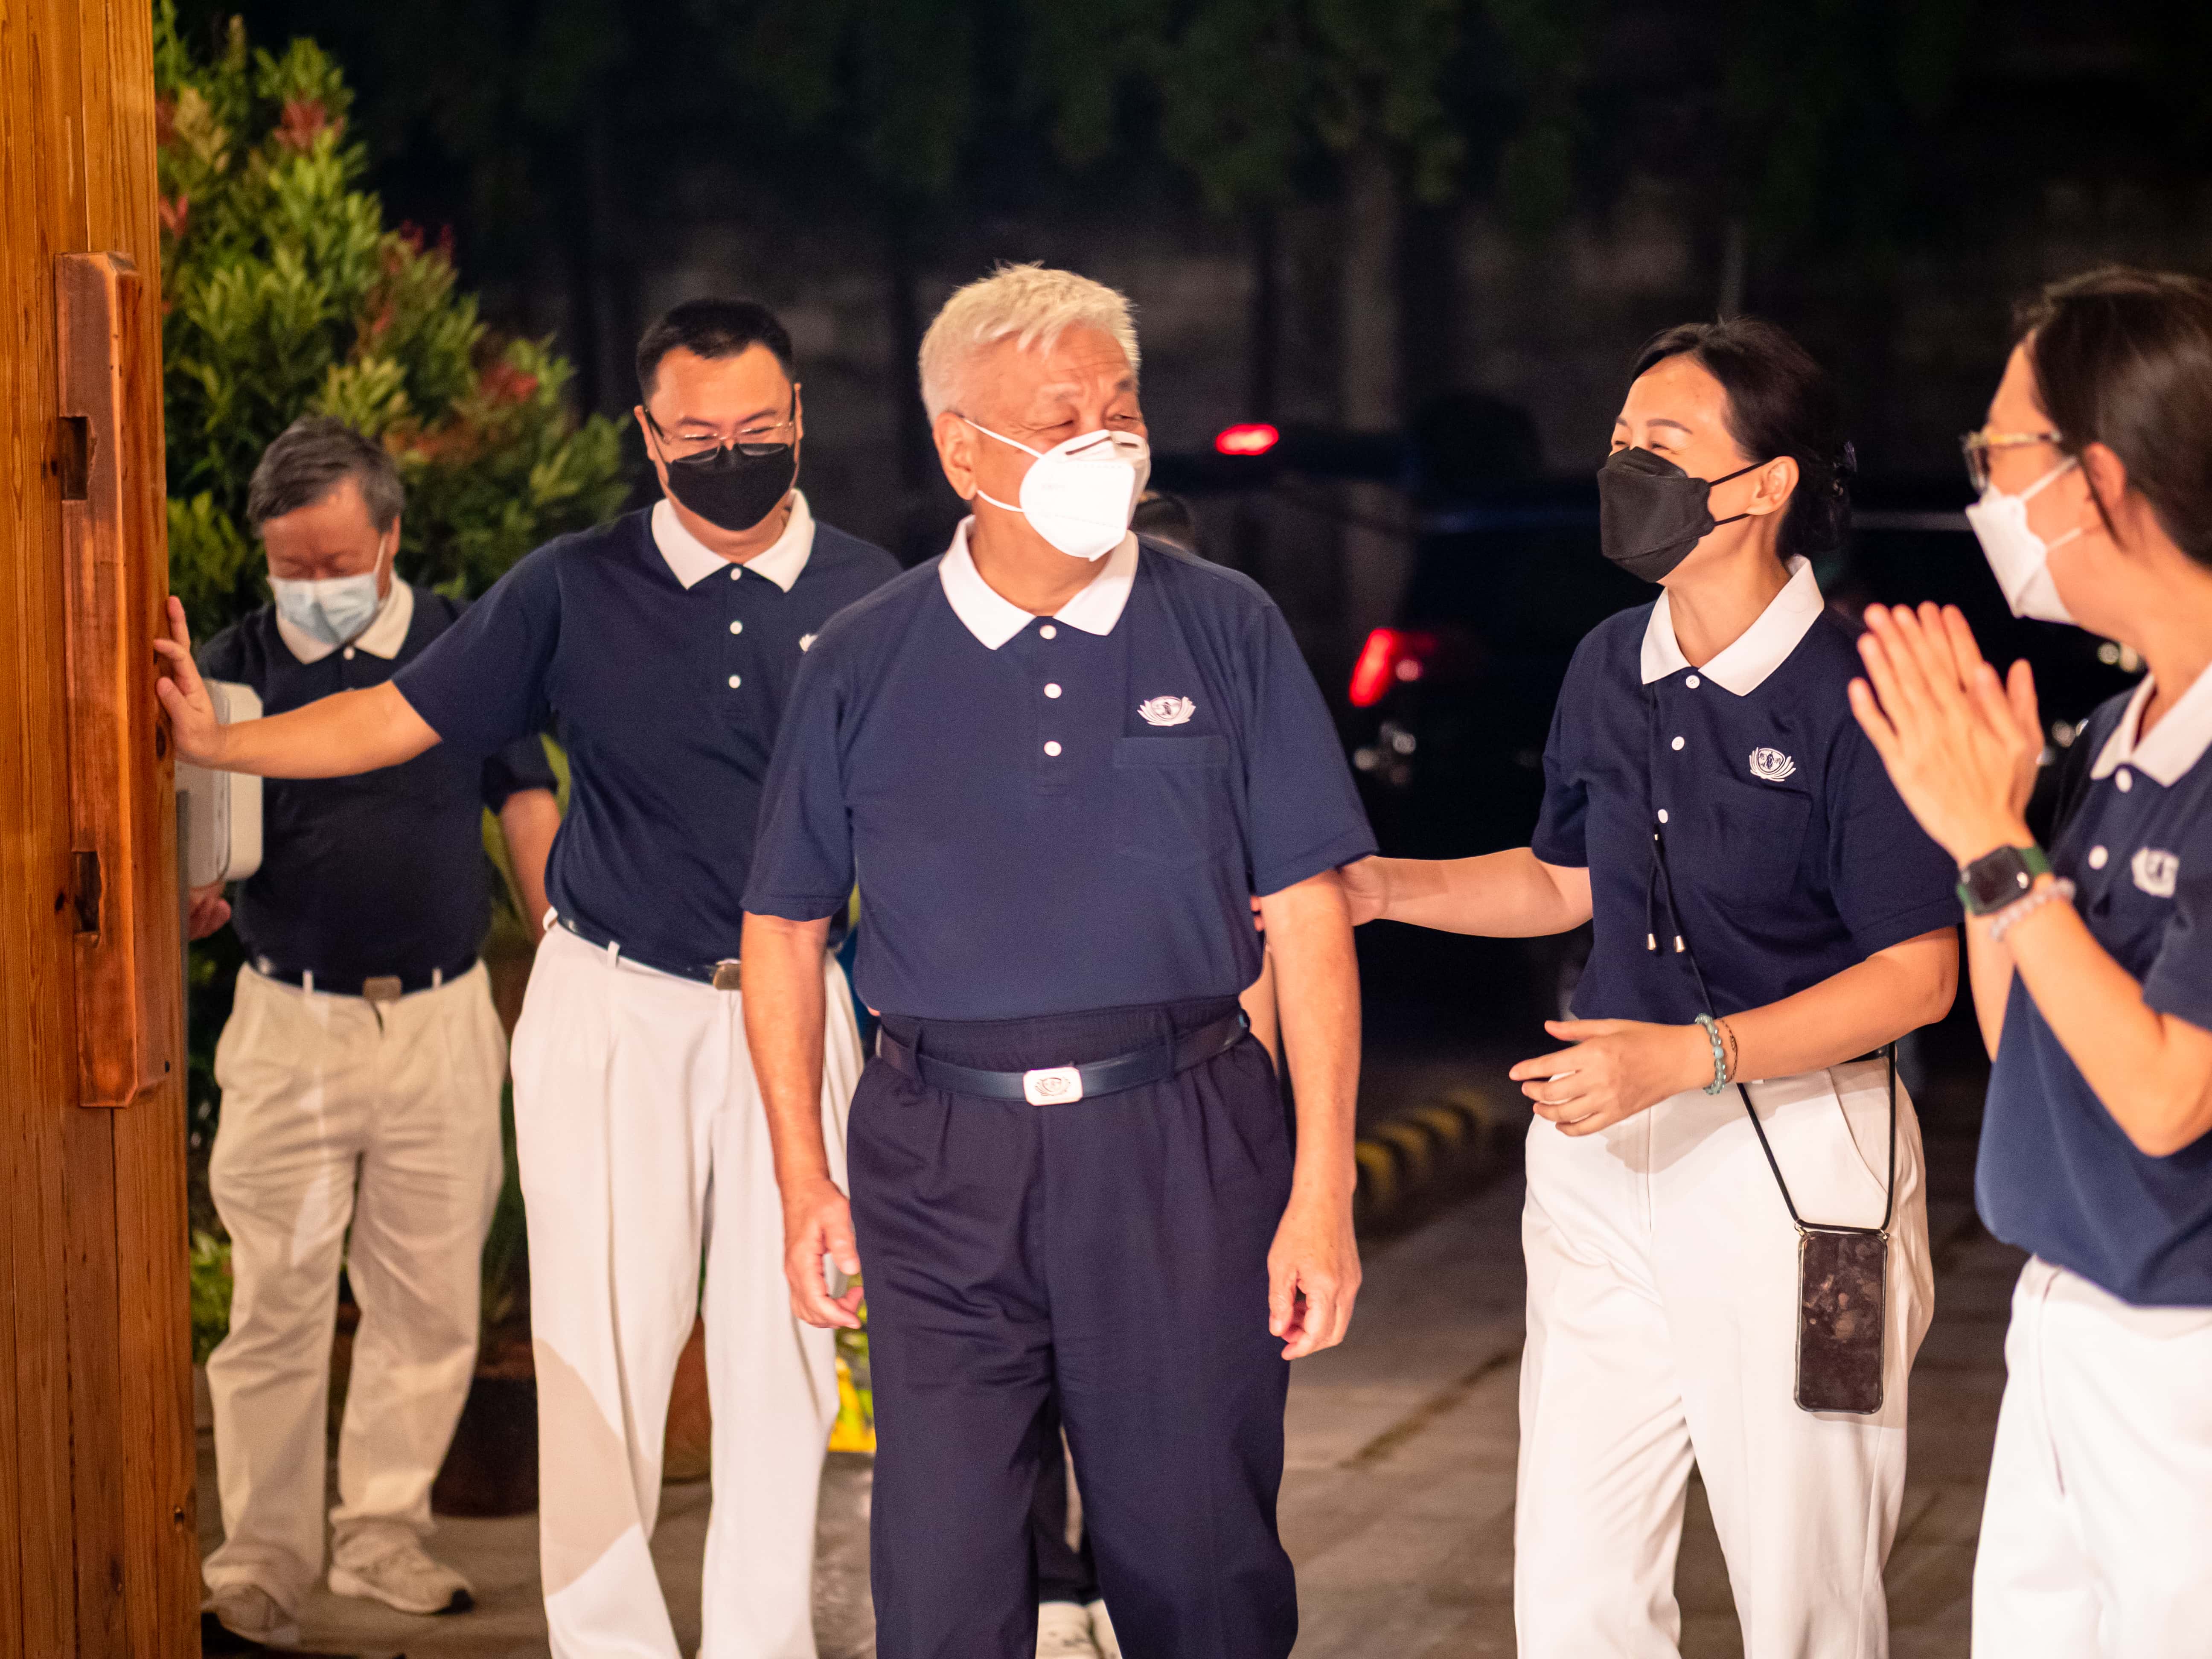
(211, 1287)
(284, 293)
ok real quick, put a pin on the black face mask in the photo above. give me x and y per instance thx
(1650, 513)
(735, 487)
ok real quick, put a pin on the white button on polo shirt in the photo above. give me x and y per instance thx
(735, 681)
(1051, 749)
(737, 628)
(1052, 690)
(1678, 743)
(1047, 632)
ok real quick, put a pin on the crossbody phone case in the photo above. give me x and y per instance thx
(1842, 1272)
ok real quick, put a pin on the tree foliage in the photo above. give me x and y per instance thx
(285, 294)
(1239, 94)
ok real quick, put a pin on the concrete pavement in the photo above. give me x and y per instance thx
(1398, 1497)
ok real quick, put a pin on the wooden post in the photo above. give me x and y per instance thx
(98, 1554)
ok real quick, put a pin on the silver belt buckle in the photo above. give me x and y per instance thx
(725, 974)
(1052, 1086)
(384, 987)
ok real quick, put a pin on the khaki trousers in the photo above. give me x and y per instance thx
(368, 1134)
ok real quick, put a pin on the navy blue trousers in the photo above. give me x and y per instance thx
(1106, 1258)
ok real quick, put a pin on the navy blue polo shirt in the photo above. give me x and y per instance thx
(2056, 1174)
(1788, 855)
(666, 671)
(380, 874)
(1049, 815)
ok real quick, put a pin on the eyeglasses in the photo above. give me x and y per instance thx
(754, 441)
(1977, 445)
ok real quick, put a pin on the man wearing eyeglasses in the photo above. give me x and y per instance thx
(661, 647)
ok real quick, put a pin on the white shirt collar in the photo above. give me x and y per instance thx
(382, 638)
(994, 619)
(691, 561)
(1757, 652)
(2175, 745)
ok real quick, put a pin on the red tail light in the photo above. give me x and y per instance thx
(1253, 438)
(1390, 655)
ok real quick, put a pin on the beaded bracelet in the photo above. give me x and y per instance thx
(1720, 1054)
(2009, 918)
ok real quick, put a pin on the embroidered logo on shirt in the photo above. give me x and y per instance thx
(1167, 711)
(1770, 765)
(2156, 871)
(805, 640)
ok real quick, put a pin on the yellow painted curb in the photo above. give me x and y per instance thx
(1378, 1171)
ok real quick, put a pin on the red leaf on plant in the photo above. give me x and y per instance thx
(503, 383)
(176, 214)
(302, 122)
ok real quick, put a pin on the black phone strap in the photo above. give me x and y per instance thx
(1665, 876)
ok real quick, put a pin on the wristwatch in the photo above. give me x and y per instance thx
(2004, 876)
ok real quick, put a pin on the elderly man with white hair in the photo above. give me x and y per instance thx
(1061, 760)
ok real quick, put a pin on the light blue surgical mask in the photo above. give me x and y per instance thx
(335, 610)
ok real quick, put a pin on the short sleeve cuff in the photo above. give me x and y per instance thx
(2180, 993)
(796, 906)
(420, 693)
(1347, 848)
(1902, 924)
(1563, 852)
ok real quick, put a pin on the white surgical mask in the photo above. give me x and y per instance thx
(2020, 557)
(1080, 494)
(335, 610)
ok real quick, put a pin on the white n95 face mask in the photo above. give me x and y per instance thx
(334, 610)
(1080, 494)
(2020, 558)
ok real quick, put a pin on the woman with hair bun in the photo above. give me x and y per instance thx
(2091, 963)
(1768, 917)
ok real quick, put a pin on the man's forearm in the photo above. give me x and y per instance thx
(334, 736)
(1317, 990)
(780, 967)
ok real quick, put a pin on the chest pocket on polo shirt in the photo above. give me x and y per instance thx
(1753, 836)
(1170, 798)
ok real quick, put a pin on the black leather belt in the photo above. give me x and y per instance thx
(722, 975)
(376, 987)
(1054, 1085)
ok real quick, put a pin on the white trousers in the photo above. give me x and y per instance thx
(1662, 1320)
(2096, 1537)
(642, 1136)
(338, 1113)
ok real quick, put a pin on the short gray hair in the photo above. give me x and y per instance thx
(1031, 305)
(311, 458)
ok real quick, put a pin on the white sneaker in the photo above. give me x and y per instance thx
(403, 1575)
(1064, 1631)
(1101, 1632)
(249, 1610)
